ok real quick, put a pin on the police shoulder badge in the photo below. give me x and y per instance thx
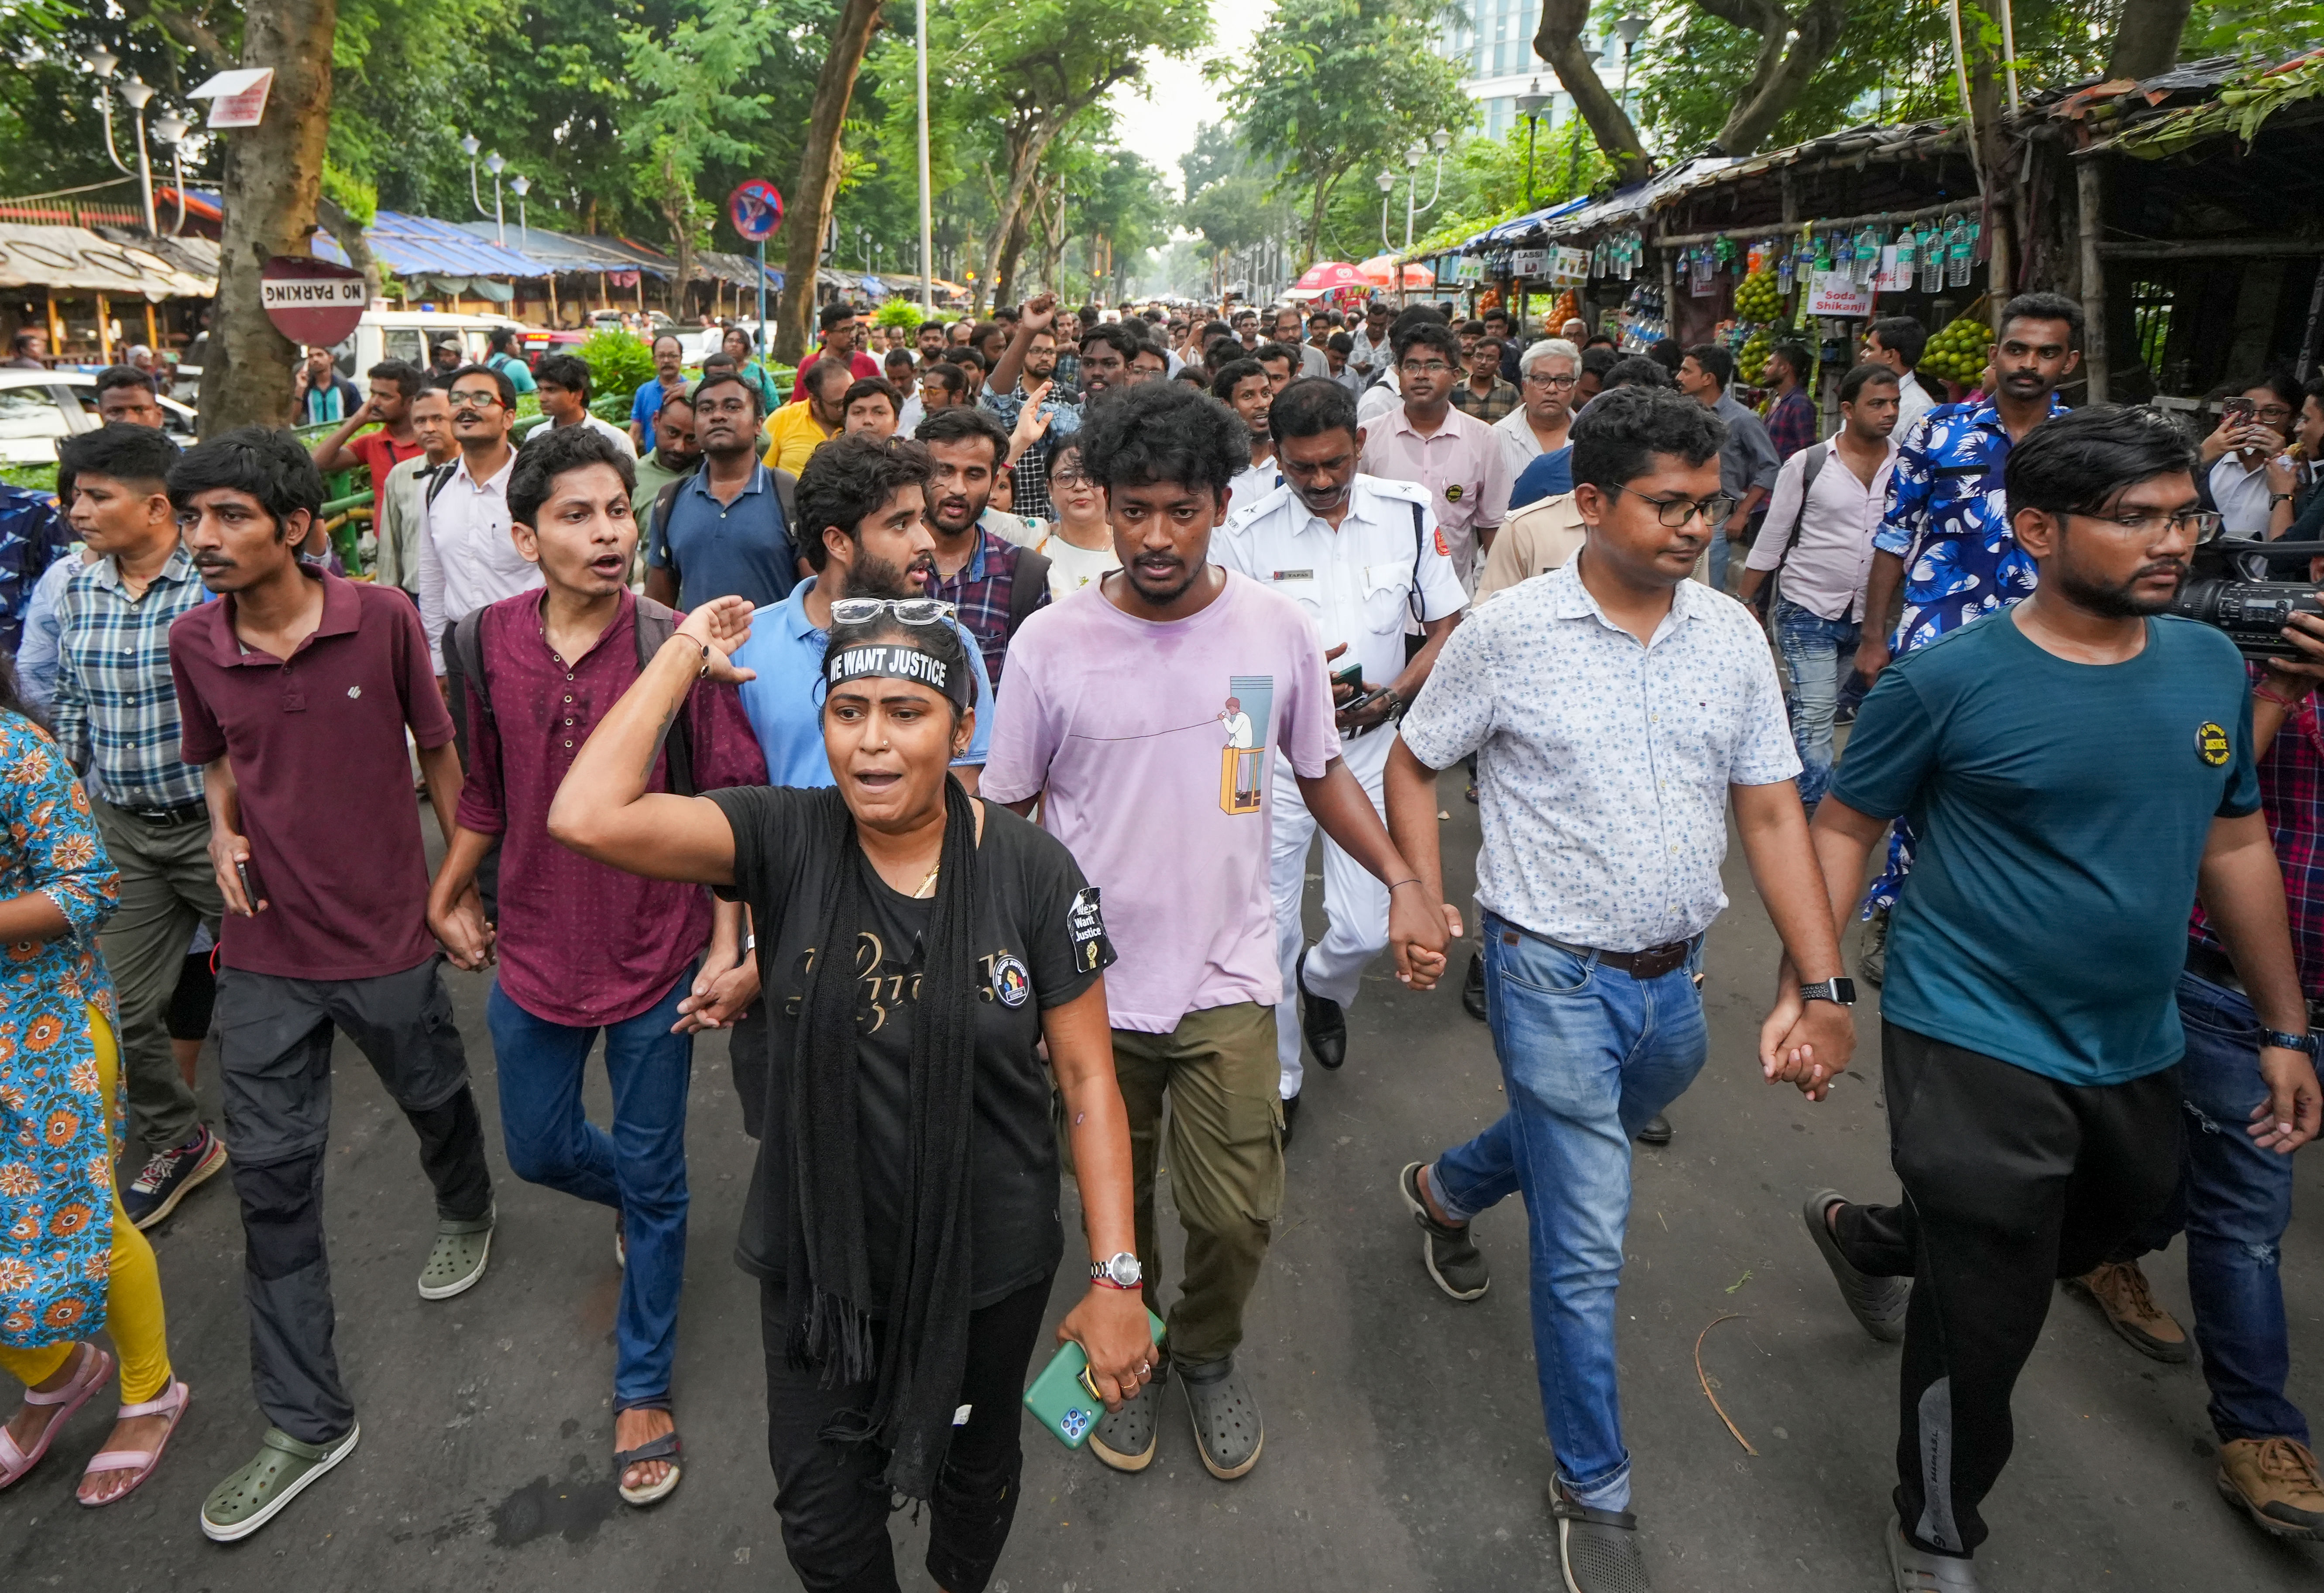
(2211, 744)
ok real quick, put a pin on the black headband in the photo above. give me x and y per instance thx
(896, 661)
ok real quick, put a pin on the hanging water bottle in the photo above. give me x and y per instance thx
(1933, 259)
(1907, 253)
(1957, 257)
(1867, 255)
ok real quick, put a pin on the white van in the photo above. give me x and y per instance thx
(382, 334)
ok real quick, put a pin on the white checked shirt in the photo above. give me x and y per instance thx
(1603, 766)
(466, 557)
(1354, 583)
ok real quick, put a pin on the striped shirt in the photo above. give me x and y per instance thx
(116, 706)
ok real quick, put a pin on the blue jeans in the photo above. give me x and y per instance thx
(1722, 553)
(638, 1169)
(1588, 1055)
(1815, 651)
(2234, 1202)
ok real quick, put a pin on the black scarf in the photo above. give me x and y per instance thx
(828, 1276)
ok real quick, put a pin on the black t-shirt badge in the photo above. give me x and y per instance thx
(2211, 744)
(1086, 927)
(1011, 983)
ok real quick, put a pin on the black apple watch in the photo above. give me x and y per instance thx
(1840, 990)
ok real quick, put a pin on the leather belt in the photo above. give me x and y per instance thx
(194, 812)
(1652, 963)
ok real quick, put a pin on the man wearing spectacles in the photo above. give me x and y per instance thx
(2082, 769)
(1547, 374)
(2254, 420)
(1620, 711)
(467, 559)
(1427, 441)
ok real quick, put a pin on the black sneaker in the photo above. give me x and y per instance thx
(1597, 1551)
(1878, 1303)
(169, 1176)
(1323, 1023)
(1472, 988)
(1456, 1264)
(1290, 1116)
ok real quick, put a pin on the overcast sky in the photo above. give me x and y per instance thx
(1161, 126)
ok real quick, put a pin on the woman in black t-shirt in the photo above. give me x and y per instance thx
(903, 1214)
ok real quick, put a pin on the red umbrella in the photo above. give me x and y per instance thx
(1328, 275)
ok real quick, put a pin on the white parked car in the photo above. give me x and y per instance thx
(38, 407)
(381, 335)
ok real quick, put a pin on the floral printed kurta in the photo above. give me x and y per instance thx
(56, 1170)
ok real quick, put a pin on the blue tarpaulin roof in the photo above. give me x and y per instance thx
(416, 246)
(1509, 232)
(565, 251)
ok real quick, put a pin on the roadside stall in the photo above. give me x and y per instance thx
(95, 296)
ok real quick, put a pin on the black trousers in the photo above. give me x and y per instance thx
(2012, 1181)
(274, 1055)
(834, 1506)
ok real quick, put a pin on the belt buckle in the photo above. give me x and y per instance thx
(1655, 961)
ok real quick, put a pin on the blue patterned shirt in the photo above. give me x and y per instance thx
(1948, 520)
(116, 705)
(32, 535)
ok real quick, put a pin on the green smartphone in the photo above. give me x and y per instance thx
(1352, 677)
(1062, 1398)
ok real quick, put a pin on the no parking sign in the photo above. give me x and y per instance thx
(756, 210)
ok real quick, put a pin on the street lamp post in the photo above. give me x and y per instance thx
(495, 165)
(1631, 26)
(171, 128)
(1441, 140)
(1529, 105)
(469, 145)
(1387, 180)
(522, 185)
(135, 93)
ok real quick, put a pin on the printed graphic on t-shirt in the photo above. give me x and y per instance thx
(885, 985)
(1242, 768)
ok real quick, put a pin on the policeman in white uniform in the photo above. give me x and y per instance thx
(1364, 558)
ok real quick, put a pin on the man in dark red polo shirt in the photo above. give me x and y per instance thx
(297, 687)
(582, 947)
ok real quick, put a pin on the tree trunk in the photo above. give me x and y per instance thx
(1780, 75)
(273, 176)
(1026, 148)
(349, 232)
(808, 216)
(1558, 41)
(2146, 38)
(1004, 286)
(677, 210)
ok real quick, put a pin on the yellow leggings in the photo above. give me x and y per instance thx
(134, 1309)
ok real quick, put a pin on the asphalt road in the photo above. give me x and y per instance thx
(1405, 1446)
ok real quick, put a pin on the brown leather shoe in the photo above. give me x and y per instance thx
(2275, 1481)
(2120, 1290)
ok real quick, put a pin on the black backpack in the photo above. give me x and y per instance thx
(656, 625)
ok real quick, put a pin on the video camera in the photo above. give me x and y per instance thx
(2218, 593)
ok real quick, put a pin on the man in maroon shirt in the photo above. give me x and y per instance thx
(297, 683)
(584, 947)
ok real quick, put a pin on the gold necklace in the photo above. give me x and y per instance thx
(928, 886)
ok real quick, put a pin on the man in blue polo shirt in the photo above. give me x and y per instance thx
(723, 531)
(868, 497)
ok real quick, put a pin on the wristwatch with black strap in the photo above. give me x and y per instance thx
(1840, 990)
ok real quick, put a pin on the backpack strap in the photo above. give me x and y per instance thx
(787, 495)
(1028, 588)
(1811, 462)
(438, 479)
(658, 516)
(656, 626)
(468, 648)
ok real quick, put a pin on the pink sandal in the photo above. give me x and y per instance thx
(174, 1401)
(96, 1370)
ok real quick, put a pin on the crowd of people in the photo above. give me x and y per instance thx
(913, 669)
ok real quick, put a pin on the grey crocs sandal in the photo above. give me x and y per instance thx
(456, 1262)
(275, 1475)
(1597, 1551)
(1125, 1438)
(1228, 1431)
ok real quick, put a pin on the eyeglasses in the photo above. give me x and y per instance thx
(1535, 379)
(478, 400)
(1072, 478)
(1434, 368)
(2200, 524)
(1674, 513)
(911, 611)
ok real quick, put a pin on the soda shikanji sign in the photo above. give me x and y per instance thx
(313, 302)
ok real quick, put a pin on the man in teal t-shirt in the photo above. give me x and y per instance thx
(2075, 770)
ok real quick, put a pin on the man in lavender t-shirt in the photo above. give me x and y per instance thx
(1146, 714)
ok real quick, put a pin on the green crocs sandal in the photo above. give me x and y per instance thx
(456, 1262)
(255, 1494)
